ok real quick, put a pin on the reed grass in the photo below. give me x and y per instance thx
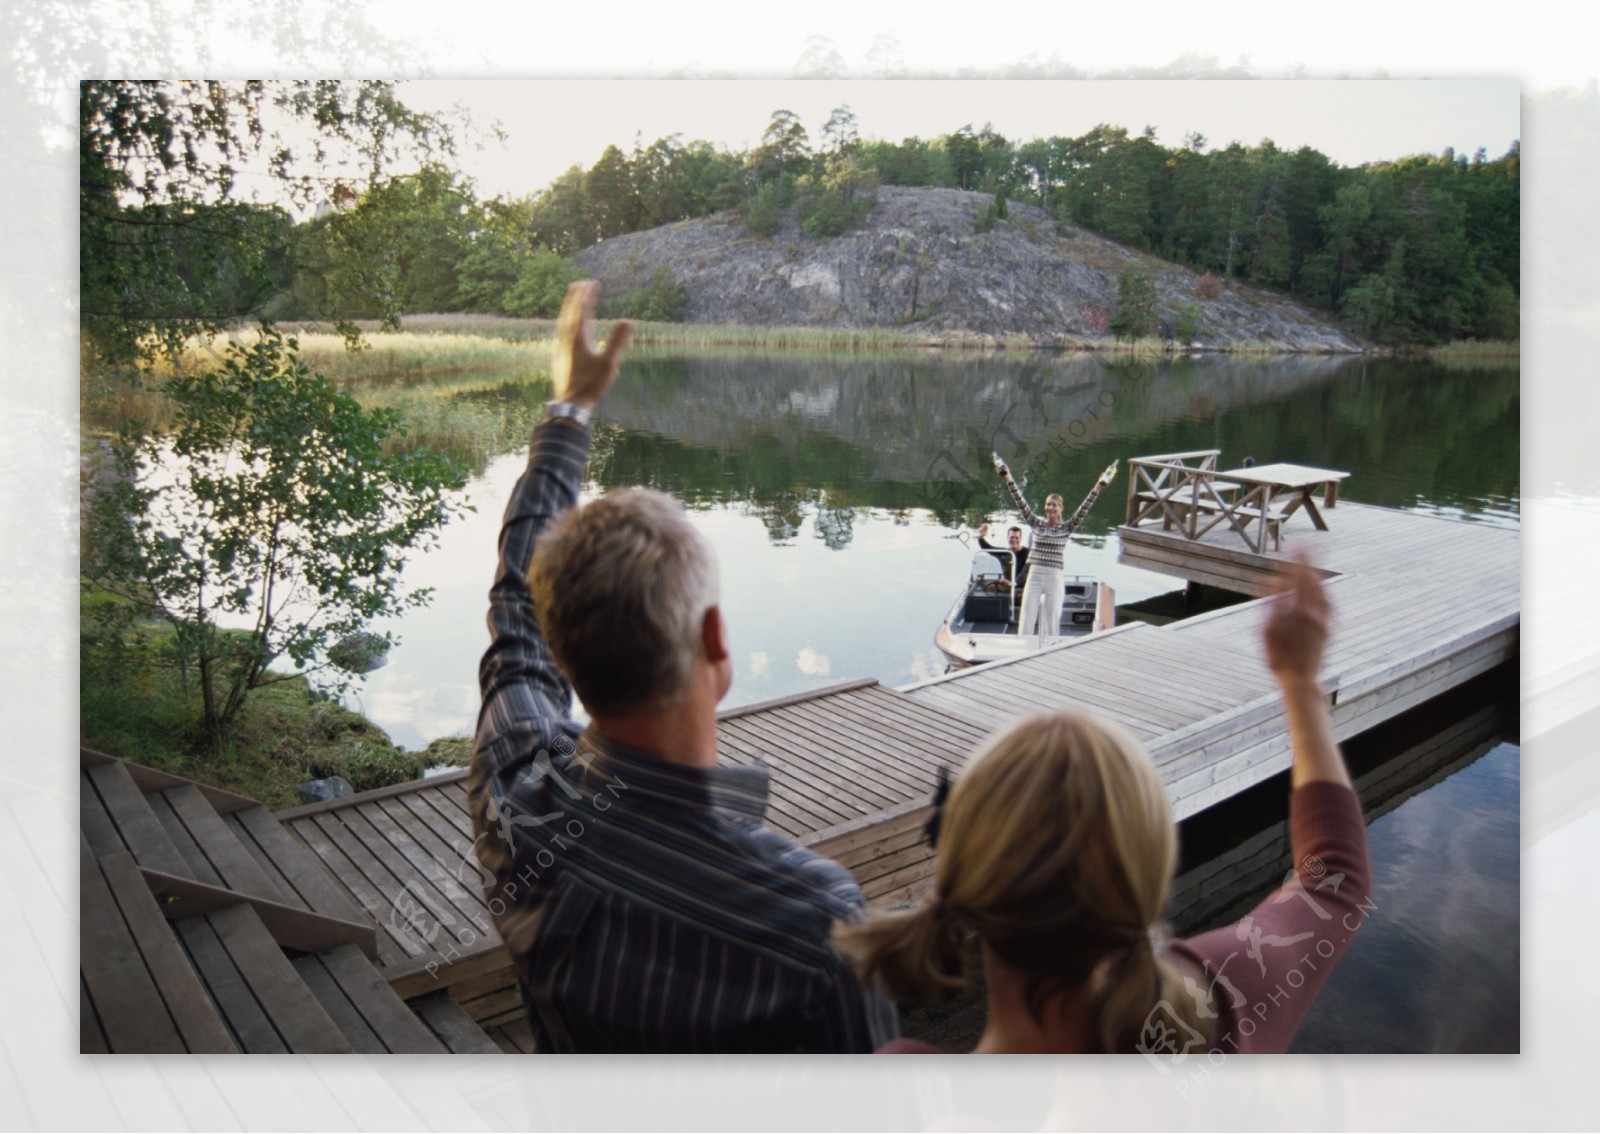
(650, 334)
(1252, 346)
(405, 356)
(1474, 349)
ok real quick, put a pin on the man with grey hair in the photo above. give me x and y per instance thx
(646, 905)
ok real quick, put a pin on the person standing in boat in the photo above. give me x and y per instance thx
(1046, 588)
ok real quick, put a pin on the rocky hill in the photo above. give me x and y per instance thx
(921, 264)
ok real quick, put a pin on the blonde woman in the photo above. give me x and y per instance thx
(1046, 588)
(1057, 849)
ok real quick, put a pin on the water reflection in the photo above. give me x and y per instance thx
(789, 437)
(829, 486)
(1435, 965)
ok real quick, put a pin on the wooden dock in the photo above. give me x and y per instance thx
(1421, 604)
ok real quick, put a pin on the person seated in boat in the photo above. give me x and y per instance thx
(645, 903)
(1056, 848)
(1045, 591)
(1014, 565)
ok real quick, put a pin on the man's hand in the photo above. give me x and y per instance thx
(983, 531)
(577, 373)
(1110, 474)
(1297, 625)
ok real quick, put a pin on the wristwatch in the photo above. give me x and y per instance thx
(580, 414)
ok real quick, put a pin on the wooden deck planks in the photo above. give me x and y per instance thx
(228, 859)
(283, 997)
(363, 1040)
(124, 1003)
(829, 762)
(416, 911)
(429, 858)
(249, 1026)
(304, 877)
(800, 803)
(828, 753)
(193, 862)
(797, 794)
(95, 821)
(180, 990)
(136, 822)
(853, 766)
(455, 1028)
(395, 944)
(384, 1014)
(875, 757)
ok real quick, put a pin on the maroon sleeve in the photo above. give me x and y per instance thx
(1265, 970)
(904, 1046)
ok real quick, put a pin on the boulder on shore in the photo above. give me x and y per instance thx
(920, 264)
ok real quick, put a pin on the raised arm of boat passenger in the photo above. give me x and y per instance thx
(1029, 516)
(1094, 494)
(1295, 633)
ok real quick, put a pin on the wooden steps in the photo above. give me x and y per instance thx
(454, 1028)
(263, 1001)
(299, 876)
(368, 1012)
(137, 989)
(208, 931)
(116, 816)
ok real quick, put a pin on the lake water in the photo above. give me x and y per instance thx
(840, 493)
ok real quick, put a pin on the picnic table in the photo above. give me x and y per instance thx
(1266, 484)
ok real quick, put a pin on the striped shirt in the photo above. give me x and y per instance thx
(1048, 550)
(645, 904)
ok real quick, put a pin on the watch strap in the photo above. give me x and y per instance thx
(583, 415)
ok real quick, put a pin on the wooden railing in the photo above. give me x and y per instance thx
(1183, 490)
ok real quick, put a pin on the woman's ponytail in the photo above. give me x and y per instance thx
(1139, 982)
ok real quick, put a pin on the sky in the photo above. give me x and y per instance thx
(553, 124)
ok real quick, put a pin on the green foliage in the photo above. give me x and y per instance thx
(400, 248)
(611, 204)
(166, 247)
(137, 701)
(540, 286)
(271, 506)
(1136, 304)
(1185, 323)
(763, 213)
(838, 202)
(493, 258)
(785, 148)
(986, 219)
(1292, 221)
(661, 300)
(1370, 305)
(1499, 314)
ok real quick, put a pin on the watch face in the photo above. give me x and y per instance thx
(577, 413)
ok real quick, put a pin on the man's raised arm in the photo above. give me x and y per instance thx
(525, 695)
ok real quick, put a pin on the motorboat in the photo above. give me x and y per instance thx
(982, 624)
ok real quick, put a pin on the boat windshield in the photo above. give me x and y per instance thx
(991, 565)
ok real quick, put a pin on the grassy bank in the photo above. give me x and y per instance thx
(413, 353)
(134, 702)
(285, 736)
(1475, 349)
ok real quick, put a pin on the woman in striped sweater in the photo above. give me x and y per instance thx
(1045, 591)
